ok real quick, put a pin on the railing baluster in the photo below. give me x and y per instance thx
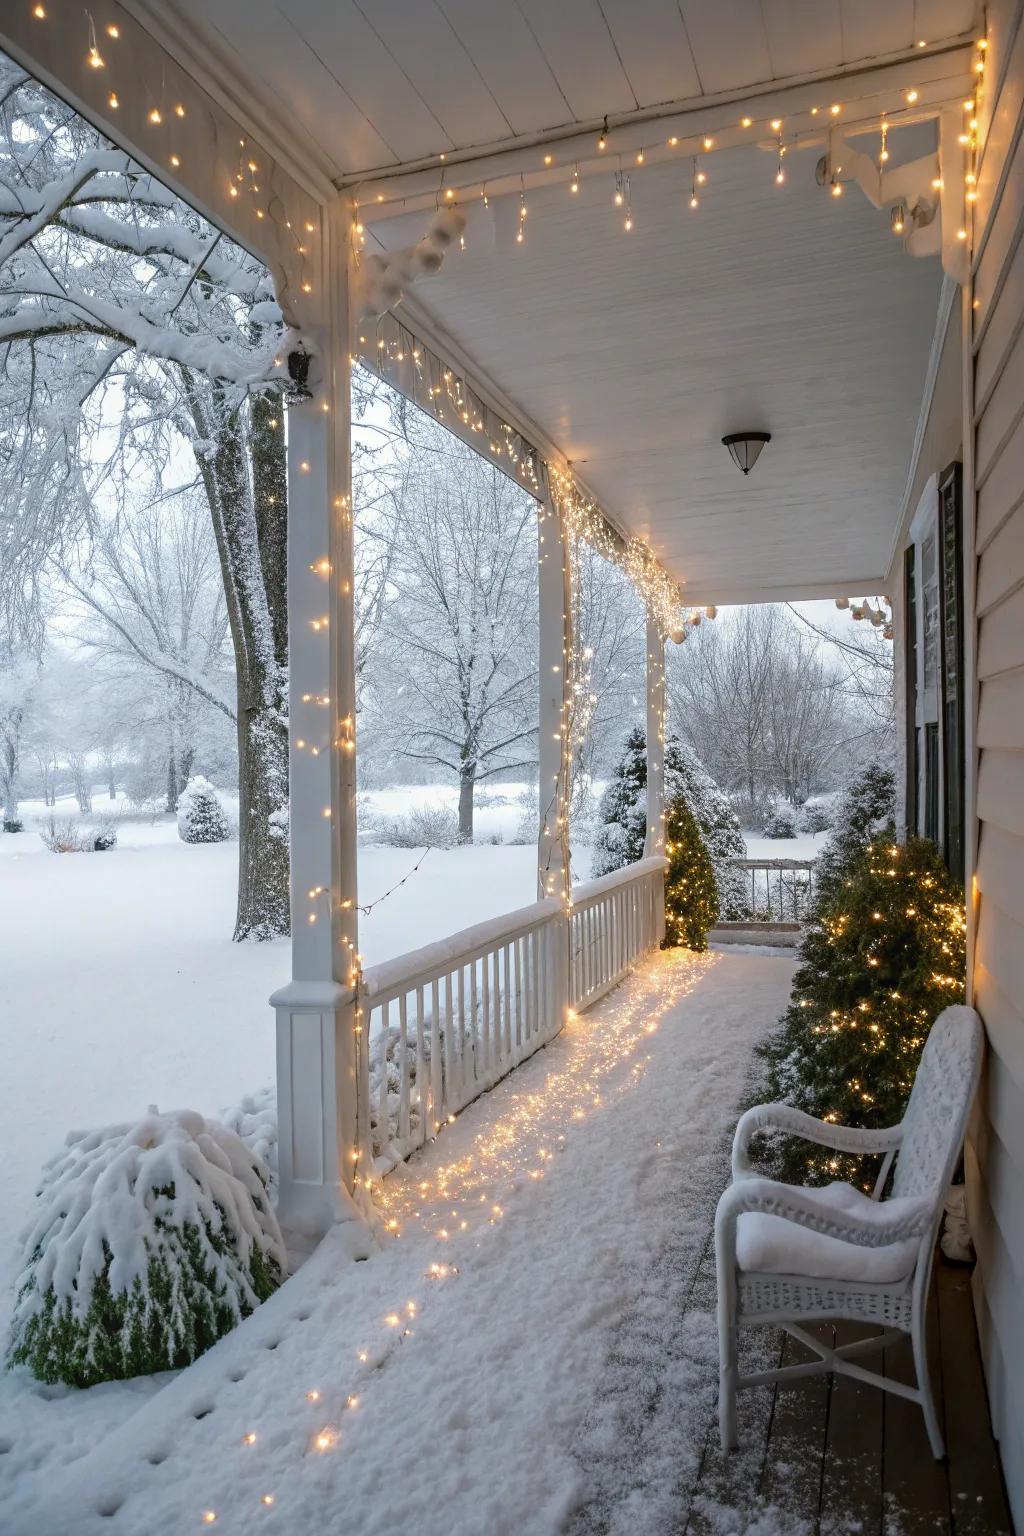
(436, 1074)
(403, 1078)
(422, 1076)
(383, 1112)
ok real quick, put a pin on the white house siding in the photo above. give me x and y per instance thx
(995, 1151)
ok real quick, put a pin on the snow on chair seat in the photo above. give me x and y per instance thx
(773, 1245)
(786, 1253)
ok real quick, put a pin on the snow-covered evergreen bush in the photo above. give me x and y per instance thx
(102, 839)
(14, 824)
(254, 1119)
(151, 1241)
(815, 819)
(201, 816)
(867, 804)
(780, 821)
(622, 815)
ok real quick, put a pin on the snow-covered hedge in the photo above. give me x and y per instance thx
(425, 826)
(780, 821)
(815, 819)
(151, 1240)
(201, 815)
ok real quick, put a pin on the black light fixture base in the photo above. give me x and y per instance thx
(745, 448)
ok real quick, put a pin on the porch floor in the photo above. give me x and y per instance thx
(537, 1353)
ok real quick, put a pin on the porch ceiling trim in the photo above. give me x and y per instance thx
(939, 77)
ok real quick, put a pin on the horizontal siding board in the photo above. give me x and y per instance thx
(1002, 413)
(1001, 790)
(1000, 961)
(999, 202)
(999, 331)
(1004, 1029)
(1000, 870)
(1001, 712)
(993, 1213)
(1001, 568)
(1003, 491)
(1001, 637)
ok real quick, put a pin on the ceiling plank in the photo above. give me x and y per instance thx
(651, 39)
(729, 42)
(272, 54)
(581, 54)
(803, 35)
(430, 53)
(510, 60)
(873, 27)
(347, 45)
(936, 19)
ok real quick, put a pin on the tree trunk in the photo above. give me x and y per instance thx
(467, 781)
(248, 505)
(172, 780)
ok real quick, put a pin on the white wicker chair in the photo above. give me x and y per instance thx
(787, 1253)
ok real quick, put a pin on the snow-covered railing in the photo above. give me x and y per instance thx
(447, 1021)
(780, 890)
(614, 921)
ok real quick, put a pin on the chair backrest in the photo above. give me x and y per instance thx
(940, 1102)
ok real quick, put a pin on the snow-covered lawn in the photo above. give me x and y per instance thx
(471, 1377)
(121, 986)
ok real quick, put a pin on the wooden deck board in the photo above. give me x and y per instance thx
(836, 1456)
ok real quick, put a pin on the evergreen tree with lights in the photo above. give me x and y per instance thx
(691, 891)
(885, 953)
(700, 829)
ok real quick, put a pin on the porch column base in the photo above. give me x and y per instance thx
(315, 1075)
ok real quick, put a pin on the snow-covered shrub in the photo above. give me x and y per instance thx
(201, 815)
(102, 839)
(64, 836)
(151, 1240)
(528, 826)
(14, 824)
(780, 821)
(815, 819)
(254, 1119)
(622, 815)
(426, 826)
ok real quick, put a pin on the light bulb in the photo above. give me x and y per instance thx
(912, 97)
(745, 122)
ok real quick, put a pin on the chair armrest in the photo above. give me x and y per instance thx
(878, 1227)
(783, 1117)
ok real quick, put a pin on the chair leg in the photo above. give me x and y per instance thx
(924, 1386)
(727, 1373)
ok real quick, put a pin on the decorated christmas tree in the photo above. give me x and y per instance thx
(884, 955)
(691, 893)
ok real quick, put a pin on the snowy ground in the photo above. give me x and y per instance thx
(495, 1394)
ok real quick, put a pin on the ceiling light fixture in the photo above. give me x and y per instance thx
(745, 448)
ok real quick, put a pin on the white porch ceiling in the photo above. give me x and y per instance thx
(775, 308)
(772, 308)
(363, 85)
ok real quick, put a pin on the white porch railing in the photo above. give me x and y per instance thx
(781, 890)
(445, 1022)
(614, 920)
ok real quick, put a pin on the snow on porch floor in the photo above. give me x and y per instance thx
(498, 1368)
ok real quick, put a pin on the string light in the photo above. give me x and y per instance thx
(602, 138)
(883, 153)
(694, 200)
(522, 219)
(780, 173)
(574, 185)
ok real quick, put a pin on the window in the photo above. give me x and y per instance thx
(933, 634)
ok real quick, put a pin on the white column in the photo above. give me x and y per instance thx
(655, 840)
(319, 1059)
(554, 723)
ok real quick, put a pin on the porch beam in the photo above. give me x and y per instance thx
(320, 1051)
(654, 843)
(554, 596)
(940, 77)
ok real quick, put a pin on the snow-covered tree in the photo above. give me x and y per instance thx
(19, 681)
(457, 677)
(867, 803)
(150, 1240)
(623, 815)
(131, 329)
(780, 821)
(201, 816)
